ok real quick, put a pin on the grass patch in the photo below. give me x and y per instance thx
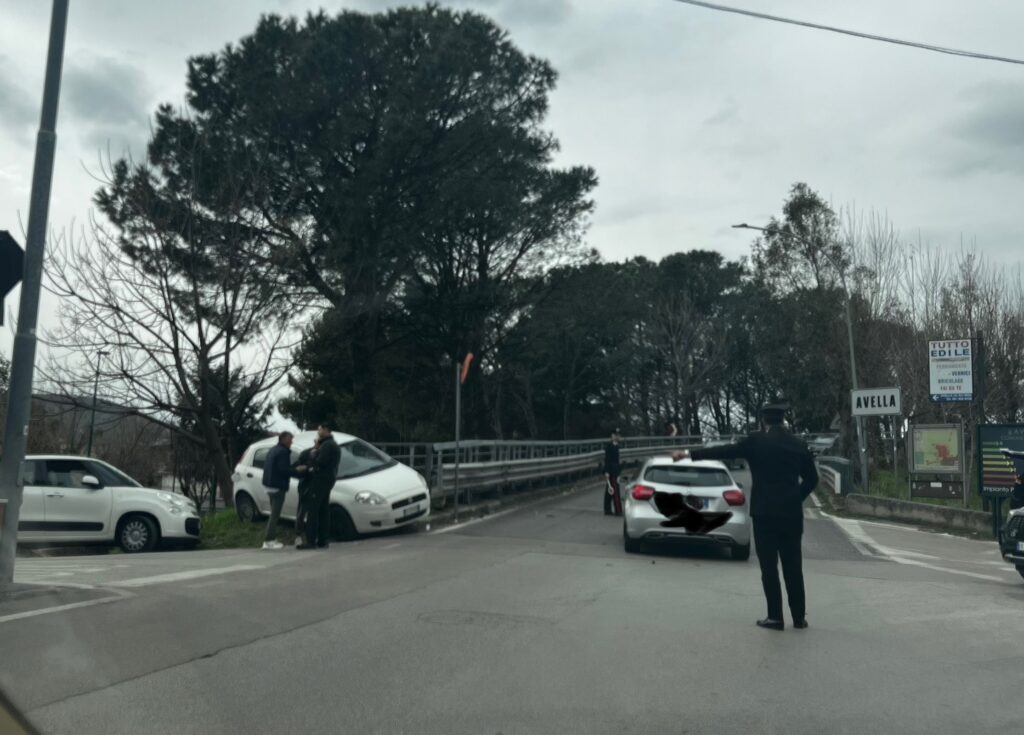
(887, 484)
(224, 530)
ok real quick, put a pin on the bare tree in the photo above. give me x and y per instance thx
(191, 323)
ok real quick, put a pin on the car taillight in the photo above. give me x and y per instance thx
(734, 497)
(643, 492)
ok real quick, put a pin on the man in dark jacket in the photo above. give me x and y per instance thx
(277, 474)
(324, 473)
(783, 474)
(303, 469)
(612, 470)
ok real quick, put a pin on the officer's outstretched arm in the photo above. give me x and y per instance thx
(726, 451)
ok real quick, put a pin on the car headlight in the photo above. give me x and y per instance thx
(175, 510)
(174, 500)
(369, 498)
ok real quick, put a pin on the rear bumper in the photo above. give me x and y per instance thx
(643, 522)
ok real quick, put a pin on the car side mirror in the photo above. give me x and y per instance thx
(91, 481)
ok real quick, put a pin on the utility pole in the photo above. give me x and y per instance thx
(95, 393)
(19, 396)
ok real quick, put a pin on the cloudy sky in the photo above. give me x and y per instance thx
(693, 119)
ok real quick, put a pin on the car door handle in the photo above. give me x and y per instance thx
(55, 495)
(248, 474)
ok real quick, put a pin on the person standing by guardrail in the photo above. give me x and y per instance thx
(783, 475)
(612, 470)
(277, 475)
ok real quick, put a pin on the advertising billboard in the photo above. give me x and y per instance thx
(997, 473)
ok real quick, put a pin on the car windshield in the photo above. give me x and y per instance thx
(687, 476)
(359, 458)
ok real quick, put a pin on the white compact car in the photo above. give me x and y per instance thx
(71, 500)
(707, 485)
(373, 493)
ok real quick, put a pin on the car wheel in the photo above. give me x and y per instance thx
(137, 533)
(631, 545)
(246, 508)
(740, 552)
(1020, 570)
(342, 527)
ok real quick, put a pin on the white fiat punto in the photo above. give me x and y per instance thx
(373, 493)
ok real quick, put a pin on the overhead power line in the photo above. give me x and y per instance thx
(847, 32)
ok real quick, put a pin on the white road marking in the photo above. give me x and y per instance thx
(390, 546)
(62, 608)
(869, 547)
(464, 524)
(180, 576)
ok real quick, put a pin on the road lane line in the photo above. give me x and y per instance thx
(180, 576)
(464, 524)
(62, 608)
(859, 538)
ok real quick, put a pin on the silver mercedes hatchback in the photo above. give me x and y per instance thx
(707, 486)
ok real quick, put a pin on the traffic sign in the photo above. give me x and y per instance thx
(12, 263)
(877, 402)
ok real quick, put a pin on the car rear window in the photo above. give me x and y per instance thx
(688, 476)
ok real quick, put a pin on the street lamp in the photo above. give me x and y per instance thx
(849, 333)
(95, 391)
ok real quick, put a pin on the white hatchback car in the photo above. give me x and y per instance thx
(706, 484)
(373, 493)
(81, 500)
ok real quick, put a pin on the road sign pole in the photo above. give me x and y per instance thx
(458, 431)
(19, 395)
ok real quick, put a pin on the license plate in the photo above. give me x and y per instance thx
(1020, 546)
(411, 511)
(698, 503)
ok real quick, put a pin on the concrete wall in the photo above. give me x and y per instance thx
(932, 515)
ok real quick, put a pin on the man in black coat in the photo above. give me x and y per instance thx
(323, 475)
(783, 473)
(277, 475)
(612, 470)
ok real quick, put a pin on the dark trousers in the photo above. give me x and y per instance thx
(778, 539)
(276, 503)
(318, 518)
(613, 496)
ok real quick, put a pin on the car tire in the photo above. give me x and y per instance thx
(246, 508)
(631, 545)
(342, 527)
(137, 533)
(740, 552)
(1020, 570)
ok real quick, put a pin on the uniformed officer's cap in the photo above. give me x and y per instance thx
(776, 410)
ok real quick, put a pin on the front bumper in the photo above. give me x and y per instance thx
(377, 518)
(643, 522)
(184, 526)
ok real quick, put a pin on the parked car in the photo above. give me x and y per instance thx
(707, 484)
(374, 492)
(82, 500)
(821, 444)
(1011, 541)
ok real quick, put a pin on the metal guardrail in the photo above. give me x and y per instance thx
(830, 479)
(496, 466)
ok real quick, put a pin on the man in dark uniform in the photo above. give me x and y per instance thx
(612, 470)
(783, 475)
(324, 473)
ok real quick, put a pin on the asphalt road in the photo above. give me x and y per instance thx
(535, 621)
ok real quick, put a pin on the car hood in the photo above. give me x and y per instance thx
(392, 483)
